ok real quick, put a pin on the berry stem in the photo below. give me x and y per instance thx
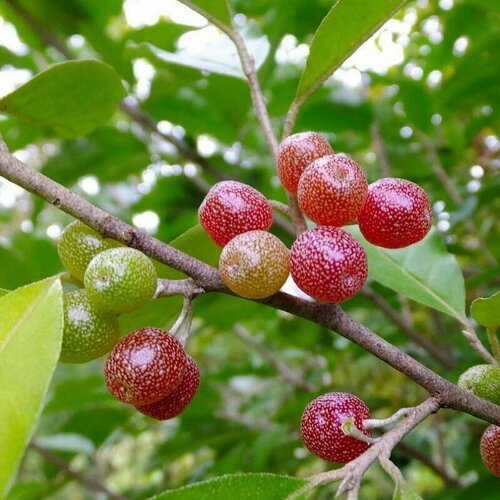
(280, 207)
(376, 423)
(349, 428)
(182, 326)
(393, 471)
(493, 340)
(186, 287)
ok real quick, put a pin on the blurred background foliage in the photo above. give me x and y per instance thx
(419, 100)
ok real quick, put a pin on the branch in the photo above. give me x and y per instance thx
(471, 336)
(280, 366)
(329, 315)
(352, 473)
(69, 471)
(187, 288)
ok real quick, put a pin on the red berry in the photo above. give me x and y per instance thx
(328, 264)
(321, 427)
(175, 403)
(397, 213)
(231, 208)
(296, 152)
(332, 190)
(490, 449)
(145, 366)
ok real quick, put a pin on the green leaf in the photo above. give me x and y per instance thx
(240, 486)
(424, 272)
(31, 323)
(3, 292)
(486, 311)
(216, 11)
(348, 24)
(72, 97)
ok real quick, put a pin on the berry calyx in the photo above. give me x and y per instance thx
(321, 424)
(176, 402)
(328, 264)
(397, 213)
(78, 245)
(255, 264)
(295, 153)
(332, 190)
(88, 334)
(490, 449)
(145, 366)
(483, 381)
(231, 208)
(120, 280)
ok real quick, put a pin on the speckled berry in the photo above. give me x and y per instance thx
(296, 152)
(328, 264)
(88, 334)
(78, 245)
(176, 402)
(145, 366)
(231, 208)
(120, 280)
(332, 190)
(483, 381)
(490, 449)
(254, 264)
(321, 427)
(397, 213)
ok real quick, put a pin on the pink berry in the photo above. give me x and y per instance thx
(231, 208)
(296, 152)
(145, 366)
(175, 403)
(397, 213)
(332, 190)
(328, 264)
(490, 449)
(321, 427)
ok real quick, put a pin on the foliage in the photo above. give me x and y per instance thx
(422, 104)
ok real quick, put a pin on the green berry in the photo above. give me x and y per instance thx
(88, 334)
(483, 381)
(120, 280)
(78, 245)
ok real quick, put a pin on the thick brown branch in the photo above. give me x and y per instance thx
(207, 277)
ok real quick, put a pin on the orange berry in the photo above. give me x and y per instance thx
(254, 265)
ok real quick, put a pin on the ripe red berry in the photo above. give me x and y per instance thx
(145, 366)
(321, 427)
(397, 213)
(332, 190)
(296, 152)
(490, 449)
(328, 264)
(231, 208)
(175, 403)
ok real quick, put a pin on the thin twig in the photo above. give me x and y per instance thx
(69, 471)
(187, 288)
(493, 340)
(440, 355)
(471, 336)
(289, 375)
(453, 193)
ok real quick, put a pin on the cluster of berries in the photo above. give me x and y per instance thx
(326, 262)
(149, 367)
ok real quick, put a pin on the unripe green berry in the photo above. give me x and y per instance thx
(78, 245)
(254, 264)
(483, 381)
(88, 334)
(120, 280)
